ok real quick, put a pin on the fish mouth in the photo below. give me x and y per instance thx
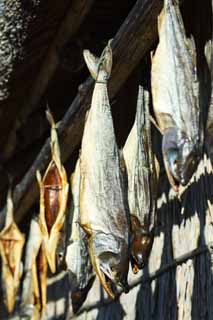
(109, 282)
(140, 244)
(140, 255)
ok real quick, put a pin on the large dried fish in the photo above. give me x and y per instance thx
(77, 256)
(103, 206)
(53, 199)
(33, 301)
(142, 183)
(175, 96)
(11, 247)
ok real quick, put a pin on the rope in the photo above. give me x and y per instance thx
(152, 276)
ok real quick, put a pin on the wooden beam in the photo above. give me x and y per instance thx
(67, 29)
(132, 41)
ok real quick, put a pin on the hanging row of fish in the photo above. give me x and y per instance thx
(112, 211)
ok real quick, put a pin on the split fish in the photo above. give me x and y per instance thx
(142, 183)
(175, 92)
(53, 199)
(77, 256)
(11, 248)
(103, 199)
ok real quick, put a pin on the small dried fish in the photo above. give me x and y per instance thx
(40, 279)
(142, 183)
(34, 285)
(11, 247)
(77, 256)
(103, 205)
(53, 199)
(175, 93)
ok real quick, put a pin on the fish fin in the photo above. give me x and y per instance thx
(92, 63)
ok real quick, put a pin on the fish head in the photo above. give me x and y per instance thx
(110, 257)
(181, 156)
(115, 268)
(141, 244)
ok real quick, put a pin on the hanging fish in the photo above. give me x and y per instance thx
(40, 279)
(33, 301)
(11, 247)
(53, 199)
(142, 183)
(209, 126)
(103, 205)
(175, 92)
(77, 256)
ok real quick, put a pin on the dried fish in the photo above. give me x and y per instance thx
(175, 96)
(77, 256)
(209, 126)
(142, 183)
(103, 205)
(53, 199)
(40, 279)
(33, 301)
(11, 247)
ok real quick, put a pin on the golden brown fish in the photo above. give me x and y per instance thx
(175, 92)
(142, 183)
(53, 199)
(77, 256)
(11, 247)
(103, 205)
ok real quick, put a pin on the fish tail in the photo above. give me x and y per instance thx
(95, 64)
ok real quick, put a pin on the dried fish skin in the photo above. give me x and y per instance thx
(175, 92)
(209, 125)
(103, 206)
(142, 183)
(30, 300)
(77, 256)
(11, 247)
(53, 199)
(41, 285)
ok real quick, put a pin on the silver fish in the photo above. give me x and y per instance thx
(175, 94)
(103, 203)
(209, 126)
(77, 256)
(142, 183)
